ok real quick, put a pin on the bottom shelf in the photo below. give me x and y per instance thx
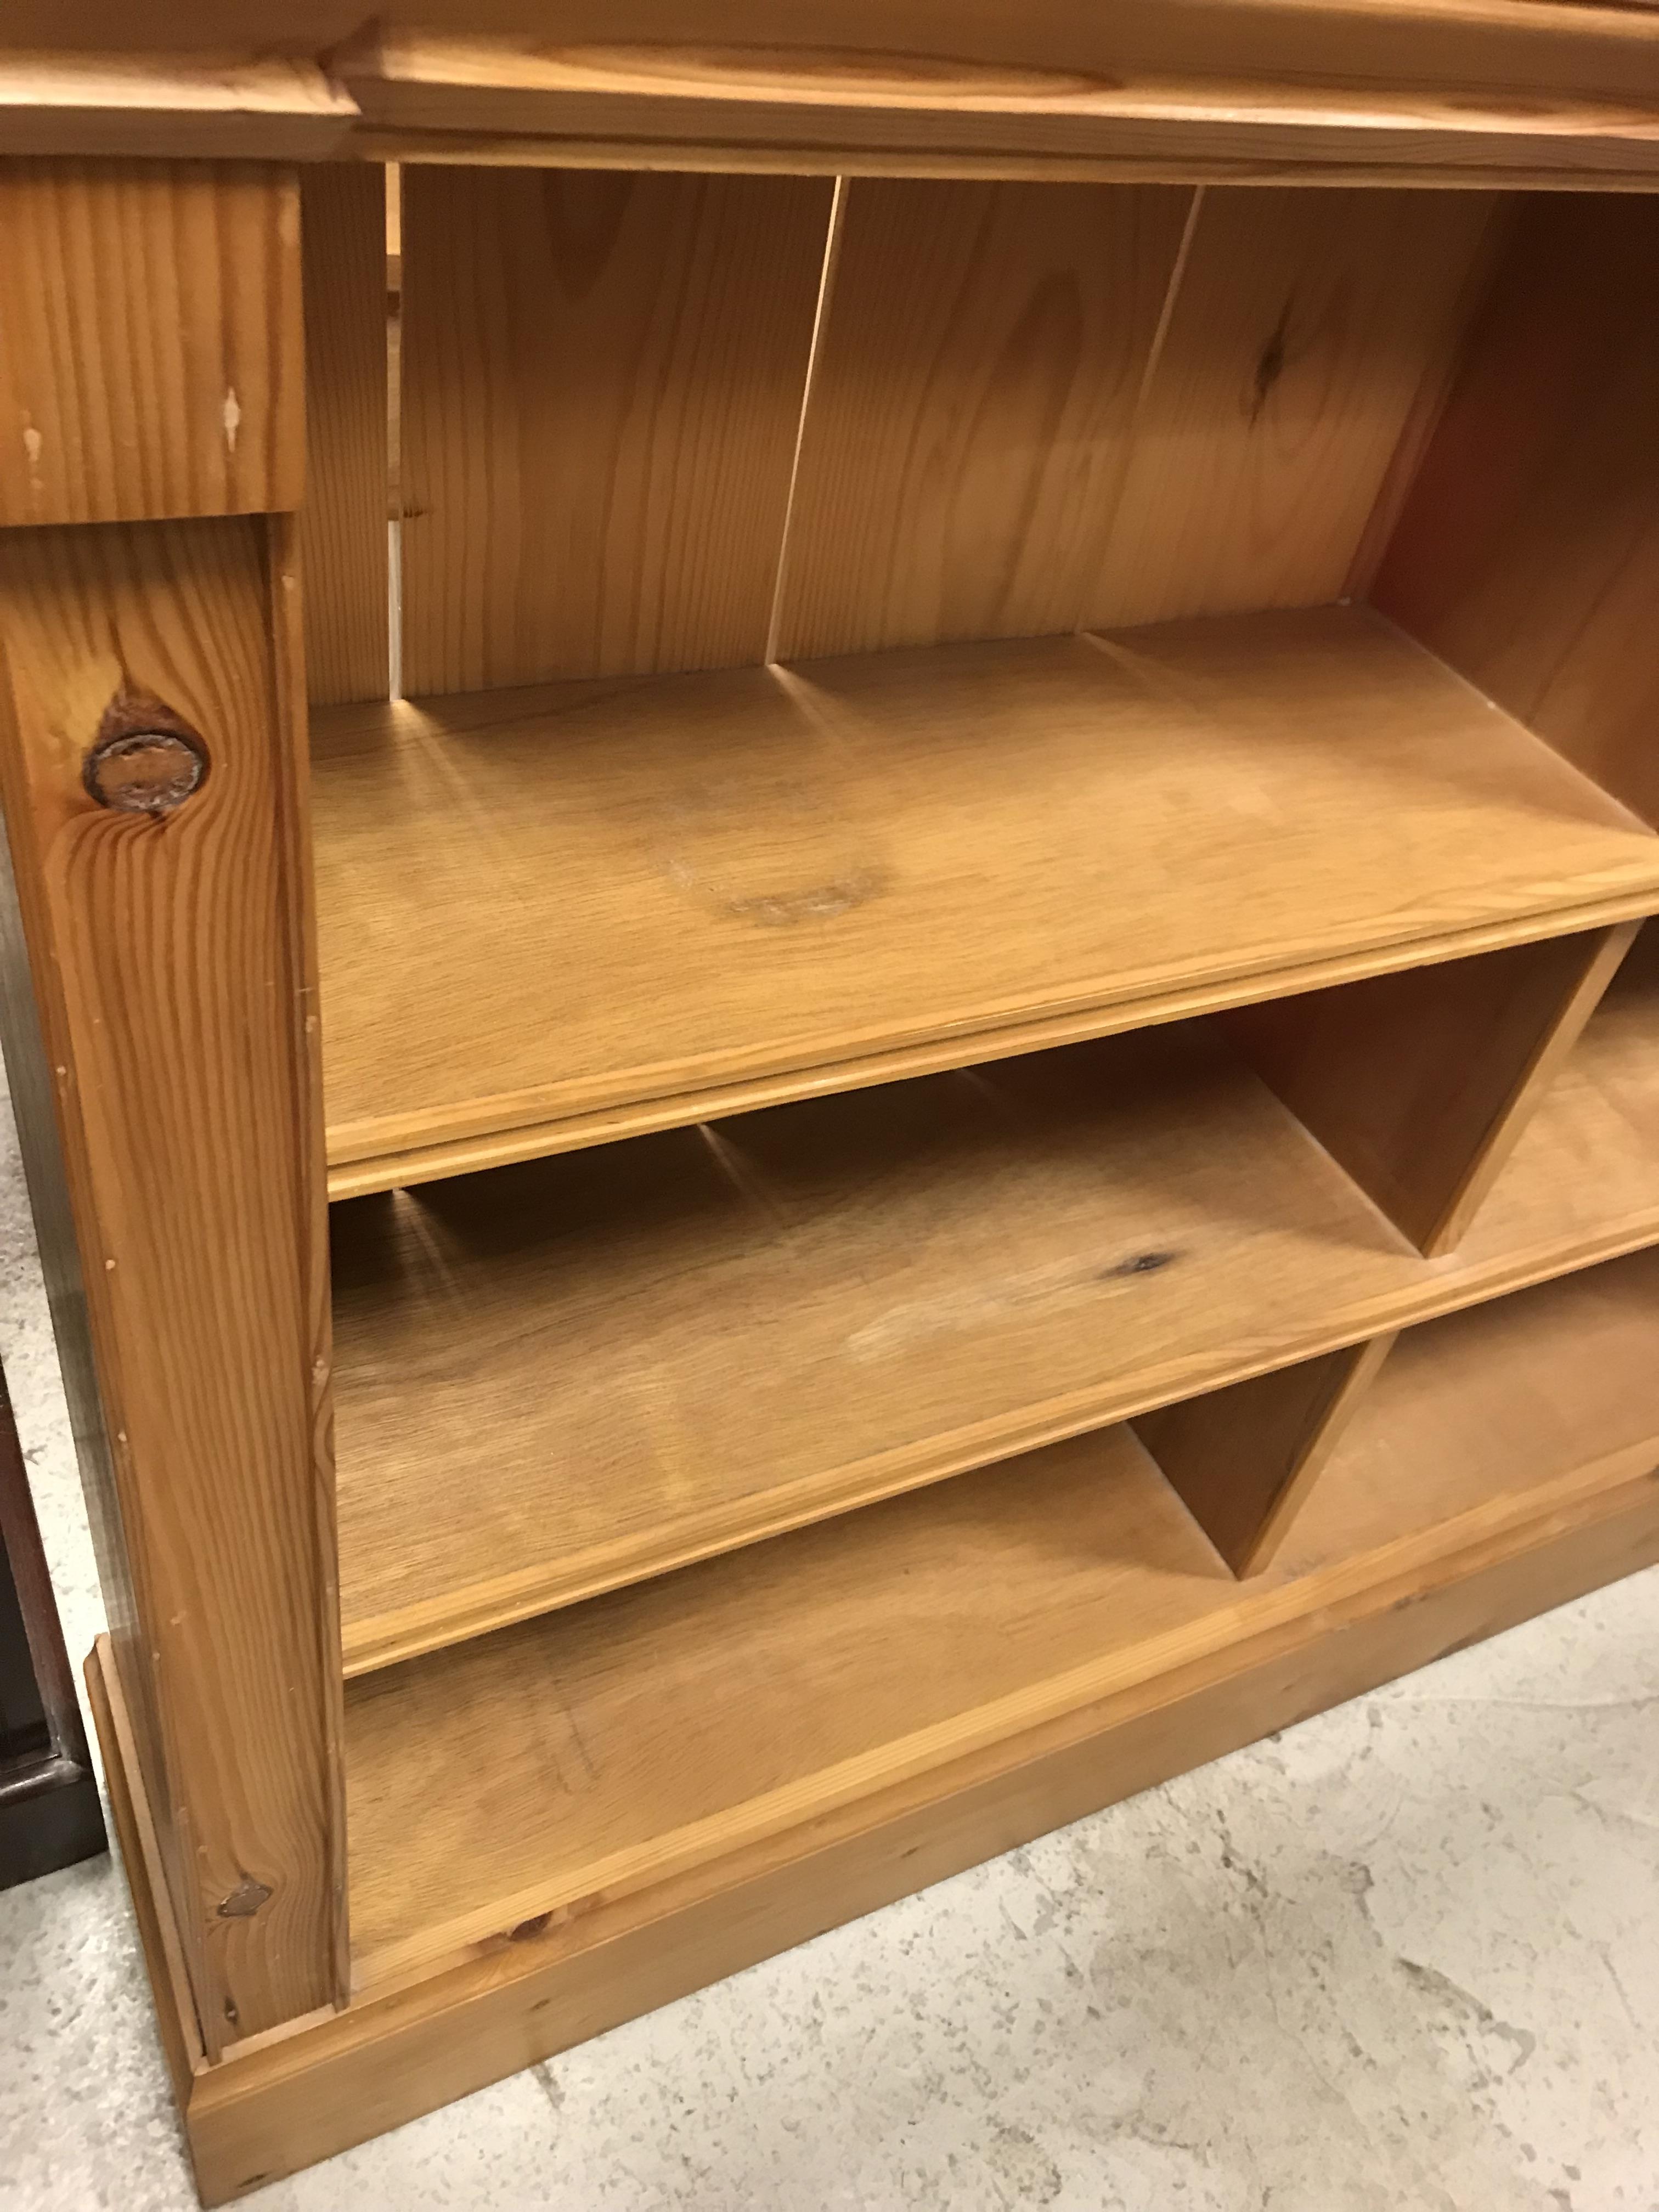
(648, 1736)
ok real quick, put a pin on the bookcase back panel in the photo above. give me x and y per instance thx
(980, 365)
(343, 524)
(1306, 327)
(602, 378)
(667, 420)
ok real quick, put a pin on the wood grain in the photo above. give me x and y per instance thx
(152, 362)
(171, 965)
(704, 1338)
(1481, 1404)
(343, 524)
(1421, 1082)
(254, 107)
(864, 1653)
(1528, 554)
(1186, 114)
(143, 1864)
(983, 350)
(895, 862)
(1583, 1158)
(602, 381)
(283, 2101)
(1305, 325)
(1459, 46)
(1243, 1460)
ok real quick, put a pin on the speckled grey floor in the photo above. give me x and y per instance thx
(1404, 1956)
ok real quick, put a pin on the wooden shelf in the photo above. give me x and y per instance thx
(594, 1752)
(564, 1375)
(556, 916)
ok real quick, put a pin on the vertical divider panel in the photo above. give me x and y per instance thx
(1306, 323)
(1243, 1460)
(153, 766)
(156, 806)
(602, 375)
(981, 358)
(342, 522)
(1419, 1083)
(1527, 554)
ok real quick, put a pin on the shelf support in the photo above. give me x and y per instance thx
(1419, 1083)
(1243, 1459)
(153, 767)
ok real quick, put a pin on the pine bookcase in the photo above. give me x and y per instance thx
(825, 947)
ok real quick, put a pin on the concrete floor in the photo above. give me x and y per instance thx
(1405, 1955)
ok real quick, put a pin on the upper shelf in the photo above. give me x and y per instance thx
(556, 916)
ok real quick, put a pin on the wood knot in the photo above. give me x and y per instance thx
(1141, 1263)
(146, 759)
(244, 1900)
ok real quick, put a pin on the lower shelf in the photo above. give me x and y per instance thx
(656, 1731)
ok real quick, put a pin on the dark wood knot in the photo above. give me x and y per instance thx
(244, 1900)
(146, 759)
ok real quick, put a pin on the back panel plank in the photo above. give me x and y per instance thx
(602, 381)
(1305, 326)
(983, 354)
(343, 524)
(1528, 554)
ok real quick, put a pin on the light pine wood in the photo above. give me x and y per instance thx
(124, 1768)
(257, 107)
(1527, 554)
(151, 364)
(1481, 1403)
(733, 1534)
(887, 863)
(1243, 1460)
(279, 2103)
(1455, 46)
(602, 380)
(343, 525)
(934, 102)
(171, 965)
(935, 1274)
(863, 1653)
(980, 356)
(1304, 324)
(1583, 1163)
(1421, 1082)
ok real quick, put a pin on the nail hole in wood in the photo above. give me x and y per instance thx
(146, 759)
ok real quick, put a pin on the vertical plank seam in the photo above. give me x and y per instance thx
(1154, 360)
(394, 432)
(820, 318)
